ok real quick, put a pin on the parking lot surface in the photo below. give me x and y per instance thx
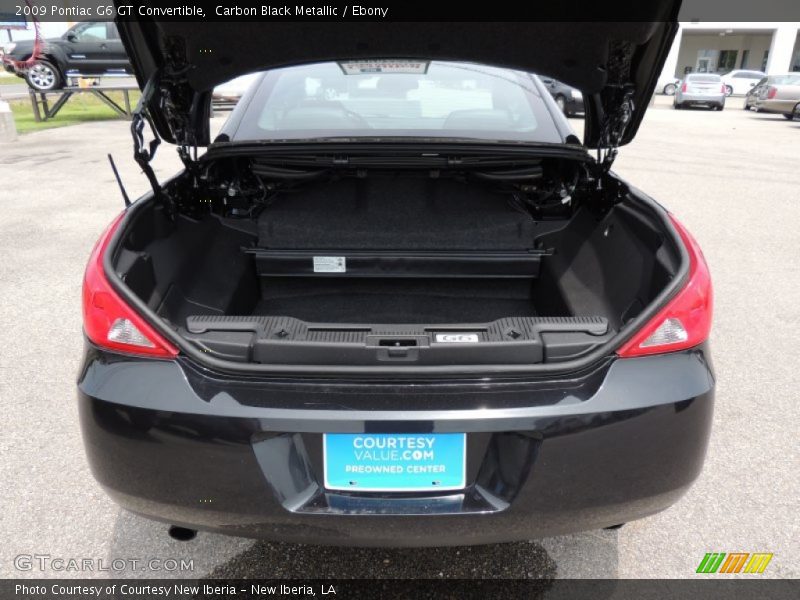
(731, 177)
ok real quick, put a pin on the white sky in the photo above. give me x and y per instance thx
(48, 30)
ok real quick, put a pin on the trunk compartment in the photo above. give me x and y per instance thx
(407, 269)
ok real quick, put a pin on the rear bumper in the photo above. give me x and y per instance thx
(701, 99)
(784, 107)
(177, 444)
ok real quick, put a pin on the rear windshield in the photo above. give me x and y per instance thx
(397, 98)
(786, 80)
(704, 78)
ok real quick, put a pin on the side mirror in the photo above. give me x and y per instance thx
(71, 37)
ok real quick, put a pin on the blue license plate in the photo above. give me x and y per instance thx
(394, 462)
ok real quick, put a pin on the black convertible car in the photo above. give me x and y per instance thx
(396, 301)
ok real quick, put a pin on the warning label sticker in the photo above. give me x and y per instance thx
(330, 264)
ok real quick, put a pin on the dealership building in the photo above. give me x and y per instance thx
(718, 47)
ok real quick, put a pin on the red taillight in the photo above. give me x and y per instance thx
(109, 322)
(686, 319)
(723, 89)
(772, 91)
(683, 87)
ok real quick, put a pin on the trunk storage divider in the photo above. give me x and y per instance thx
(396, 263)
(286, 340)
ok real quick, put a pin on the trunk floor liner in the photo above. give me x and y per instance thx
(378, 308)
(354, 300)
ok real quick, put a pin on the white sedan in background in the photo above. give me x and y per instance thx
(740, 81)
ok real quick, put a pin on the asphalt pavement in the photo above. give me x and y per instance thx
(13, 91)
(731, 177)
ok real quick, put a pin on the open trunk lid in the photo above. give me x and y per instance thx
(615, 65)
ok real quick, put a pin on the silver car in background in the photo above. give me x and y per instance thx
(779, 94)
(700, 89)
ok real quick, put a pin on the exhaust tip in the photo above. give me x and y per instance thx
(182, 534)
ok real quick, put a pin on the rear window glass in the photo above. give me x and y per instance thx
(703, 78)
(786, 80)
(392, 98)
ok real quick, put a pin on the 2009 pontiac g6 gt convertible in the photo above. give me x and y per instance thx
(395, 301)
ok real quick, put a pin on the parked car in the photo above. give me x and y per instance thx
(568, 99)
(668, 88)
(226, 95)
(779, 95)
(700, 89)
(740, 81)
(750, 96)
(396, 301)
(89, 49)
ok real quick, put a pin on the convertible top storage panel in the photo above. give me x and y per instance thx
(396, 213)
(396, 227)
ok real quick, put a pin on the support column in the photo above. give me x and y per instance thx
(781, 48)
(671, 63)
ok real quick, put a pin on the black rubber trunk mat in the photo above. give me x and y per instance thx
(328, 300)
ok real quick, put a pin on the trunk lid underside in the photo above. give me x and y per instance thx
(615, 65)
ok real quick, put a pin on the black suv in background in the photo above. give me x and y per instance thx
(87, 49)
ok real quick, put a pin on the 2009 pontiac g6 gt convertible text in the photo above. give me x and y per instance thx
(397, 301)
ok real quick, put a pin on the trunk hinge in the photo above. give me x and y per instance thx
(175, 99)
(179, 102)
(613, 126)
(188, 156)
(144, 154)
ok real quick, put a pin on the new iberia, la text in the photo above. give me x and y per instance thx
(177, 590)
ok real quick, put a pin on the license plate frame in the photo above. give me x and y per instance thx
(412, 463)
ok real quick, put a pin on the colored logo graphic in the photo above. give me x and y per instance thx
(734, 562)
